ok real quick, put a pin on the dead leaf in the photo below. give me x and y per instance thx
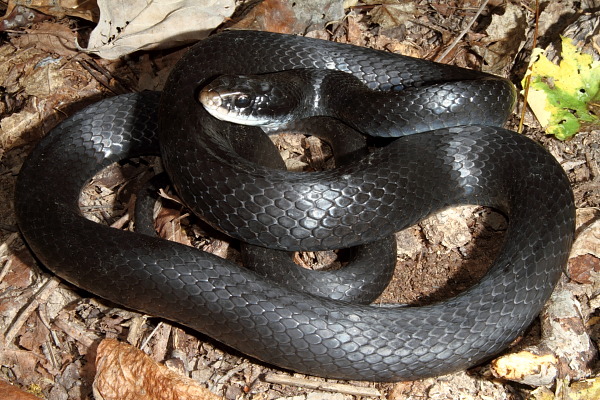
(584, 268)
(270, 15)
(505, 34)
(11, 127)
(19, 275)
(392, 45)
(526, 367)
(47, 88)
(448, 227)
(126, 27)
(168, 225)
(59, 8)
(565, 333)
(299, 16)
(10, 392)
(586, 389)
(19, 17)
(34, 334)
(393, 15)
(50, 37)
(290, 148)
(409, 243)
(356, 31)
(588, 241)
(124, 372)
(45, 79)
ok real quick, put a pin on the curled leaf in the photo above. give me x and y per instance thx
(124, 372)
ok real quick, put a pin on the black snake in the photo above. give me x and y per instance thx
(464, 158)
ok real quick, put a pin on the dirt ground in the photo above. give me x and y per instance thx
(50, 330)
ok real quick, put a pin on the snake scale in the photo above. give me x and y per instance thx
(462, 157)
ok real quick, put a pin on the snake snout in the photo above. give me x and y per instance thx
(210, 99)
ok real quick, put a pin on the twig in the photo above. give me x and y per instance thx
(463, 33)
(325, 386)
(75, 330)
(103, 76)
(40, 297)
(5, 253)
(528, 77)
(120, 223)
(151, 335)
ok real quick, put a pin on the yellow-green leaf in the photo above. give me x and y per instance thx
(563, 96)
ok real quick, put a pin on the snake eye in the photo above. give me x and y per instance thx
(242, 101)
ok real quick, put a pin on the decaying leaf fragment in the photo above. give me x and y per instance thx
(391, 15)
(526, 367)
(587, 389)
(584, 261)
(504, 37)
(124, 372)
(8, 391)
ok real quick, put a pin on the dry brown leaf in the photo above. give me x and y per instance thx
(124, 372)
(35, 334)
(168, 225)
(584, 269)
(59, 8)
(11, 127)
(587, 389)
(10, 392)
(505, 34)
(50, 37)
(588, 241)
(405, 47)
(393, 15)
(270, 15)
(284, 16)
(47, 87)
(356, 31)
(584, 261)
(448, 227)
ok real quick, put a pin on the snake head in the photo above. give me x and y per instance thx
(268, 100)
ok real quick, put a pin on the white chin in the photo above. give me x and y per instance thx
(236, 118)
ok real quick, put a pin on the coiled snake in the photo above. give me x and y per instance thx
(462, 158)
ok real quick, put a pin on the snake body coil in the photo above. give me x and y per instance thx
(391, 188)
